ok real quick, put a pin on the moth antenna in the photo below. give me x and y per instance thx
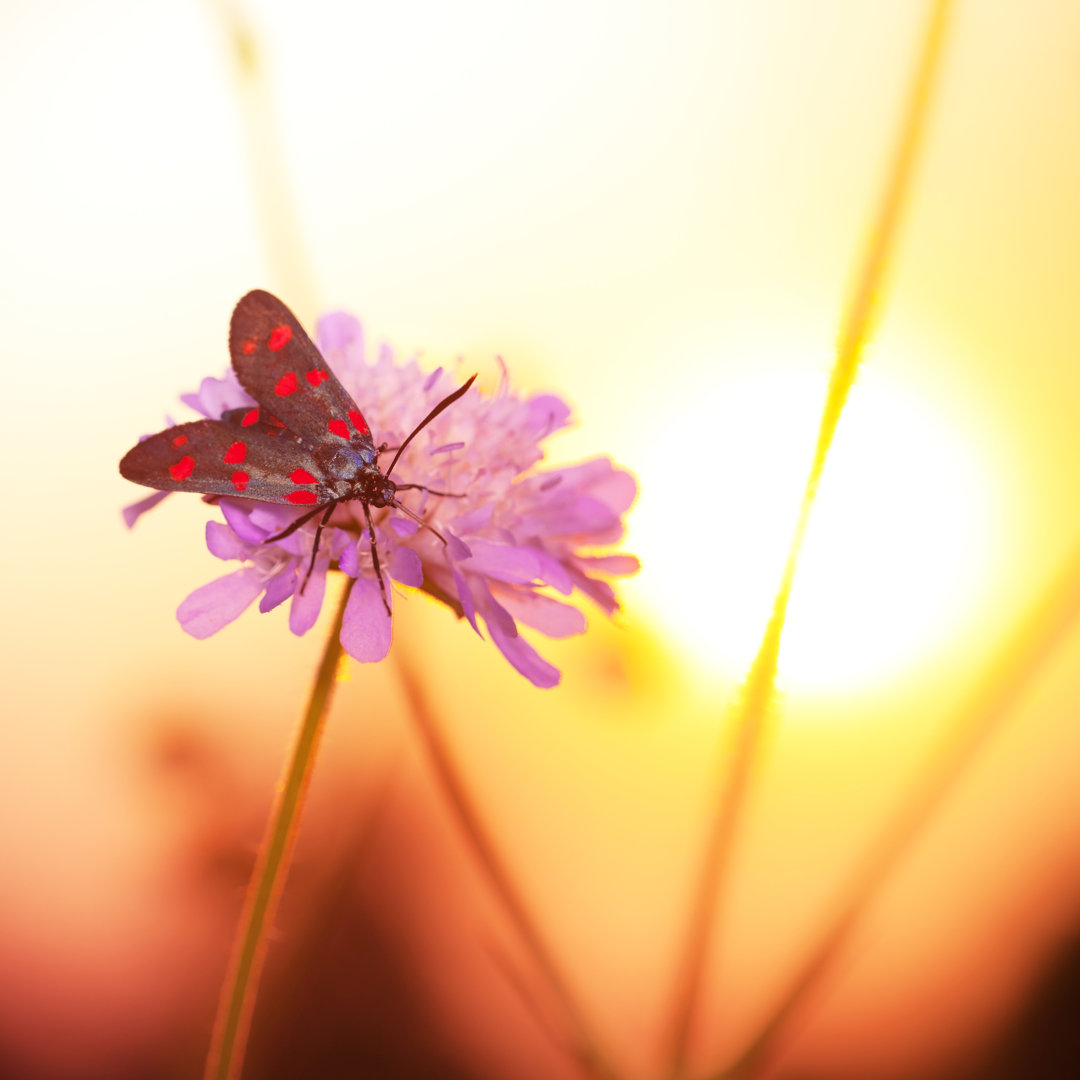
(446, 402)
(417, 518)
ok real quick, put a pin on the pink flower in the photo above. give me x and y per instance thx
(518, 539)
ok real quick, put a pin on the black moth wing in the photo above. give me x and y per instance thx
(218, 458)
(277, 363)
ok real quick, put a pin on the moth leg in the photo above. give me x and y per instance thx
(290, 529)
(315, 547)
(375, 556)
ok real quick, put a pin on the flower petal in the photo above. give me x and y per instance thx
(216, 604)
(348, 560)
(280, 587)
(223, 543)
(523, 657)
(474, 520)
(216, 396)
(503, 562)
(136, 510)
(616, 565)
(366, 629)
(402, 527)
(544, 414)
(468, 605)
(238, 515)
(553, 573)
(404, 565)
(543, 613)
(339, 330)
(306, 605)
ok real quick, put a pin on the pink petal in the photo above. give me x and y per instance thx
(553, 573)
(456, 547)
(504, 562)
(402, 527)
(366, 629)
(223, 543)
(600, 592)
(615, 565)
(306, 605)
(465, 595)
(238, 516)
(545, 414)
(618, 491)
(348, 559)
(474, 520)
(216, 604)
(280, 587)
(524, 658)
(339, 330)
(136, 510)
(549, 616)
(405, 566)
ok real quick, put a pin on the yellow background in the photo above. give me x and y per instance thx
(655, 210)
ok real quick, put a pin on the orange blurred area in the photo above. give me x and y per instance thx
(657, 212)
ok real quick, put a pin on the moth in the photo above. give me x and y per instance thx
(304, 443)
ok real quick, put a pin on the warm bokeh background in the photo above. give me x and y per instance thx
(655, 209)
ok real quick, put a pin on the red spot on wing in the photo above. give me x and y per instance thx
(250, 417)
(235, 454)
(286, 384)
(240, 480)
(180, 440)
(182, 469)
(249, 347)
(302, 498)
(275, 421)
(301, 476)
(338, 427)
(279, 337)
(316, 377)
(358, 421)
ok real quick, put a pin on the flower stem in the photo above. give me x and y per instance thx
(449, 778)
(237, 1001)
(752, 712)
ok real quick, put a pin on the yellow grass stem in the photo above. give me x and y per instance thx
(226, 1056)
(277, 215)
(752, 710)
(582, 1045)
(1040, 632)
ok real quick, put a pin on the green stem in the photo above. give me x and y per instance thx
(226, 1055)
(752, 712)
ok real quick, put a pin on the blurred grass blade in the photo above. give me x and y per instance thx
(752, 710)
(276, 211)
(471, 822)
(1011, 672)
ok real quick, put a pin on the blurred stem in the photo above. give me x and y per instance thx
(471, 822)
(226, 1055)
(277, 216)
(1043, 629)
(752, 710)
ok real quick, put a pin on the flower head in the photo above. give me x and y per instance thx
(516, 538)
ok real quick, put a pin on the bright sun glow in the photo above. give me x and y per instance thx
(897, 546)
